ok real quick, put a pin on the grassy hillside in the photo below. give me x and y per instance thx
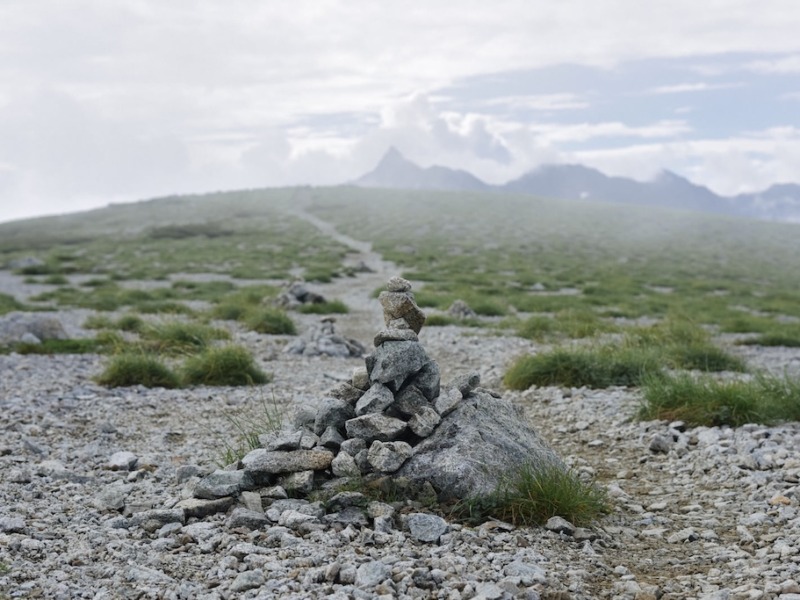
(533, 255)
(501, 253)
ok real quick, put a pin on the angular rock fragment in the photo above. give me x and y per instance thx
(261, 462)
(424, 422)
(332, 413)
(247, 519)
(387, 457)
(375, 426)
(401, 305)
(376, 399)
(424, 527)
(466, 383)
(394, 335)
(199, 508)
(223, 483)
(447, 402)
(427, 379)
(394, 362)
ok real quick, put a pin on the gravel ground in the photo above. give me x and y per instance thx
(713, 516)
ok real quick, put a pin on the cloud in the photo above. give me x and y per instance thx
(782, 65)
(101, 100)
(746, 163)
(682, 88)
(540, 102)
(557, 133)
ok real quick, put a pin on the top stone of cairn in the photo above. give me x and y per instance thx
(400, 311)
(398, 284)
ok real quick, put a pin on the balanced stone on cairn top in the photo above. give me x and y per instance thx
(398, 304)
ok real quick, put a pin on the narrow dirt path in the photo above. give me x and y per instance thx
(358, 292)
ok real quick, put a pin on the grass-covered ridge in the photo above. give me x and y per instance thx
(247, 235)
(543, 256)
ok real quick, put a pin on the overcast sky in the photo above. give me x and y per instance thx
(104, 101)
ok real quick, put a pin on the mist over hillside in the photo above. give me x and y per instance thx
(578, 182)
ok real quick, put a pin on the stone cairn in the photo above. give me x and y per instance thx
(295, 294)
(323, 339)
(461, 310)
(392, 422)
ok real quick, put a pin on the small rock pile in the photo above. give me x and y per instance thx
(391, 424)
(29, 329)
(323, 339)
(461, 310)
(296, 294)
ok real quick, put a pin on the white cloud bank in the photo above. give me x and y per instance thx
(101, 101)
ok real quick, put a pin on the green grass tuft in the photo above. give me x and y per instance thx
(594, 367)
(98, 322)
(532, 494)
(248, 427)
(223, 366)
(130, 322)
(76, 346)
(325, 308)
(766, 400)
(180, 337)
(124, 370)
(683, 345)
(272, 321)
(9, 303)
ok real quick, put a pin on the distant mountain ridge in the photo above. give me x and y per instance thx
(781, 202)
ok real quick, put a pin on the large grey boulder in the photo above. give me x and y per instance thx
(474, 446)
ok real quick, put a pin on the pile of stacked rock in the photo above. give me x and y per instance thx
(323, 339)
(30, 328)
(461, 310)
(295, 294)
(391, 421)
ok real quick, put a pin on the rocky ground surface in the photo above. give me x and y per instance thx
(697, 513)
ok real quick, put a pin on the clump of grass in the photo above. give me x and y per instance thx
(124, 370)
(56, 280)
(97, 282)
(227, 365)
(164, 307)
(488, 308)
(439, 320)
(573, 323)
(776, 339)
(683, 345)
(325, 308)
(52, 346)
(179, 337)
(537, 328)
(248, 427)
(581, 323)
(98, 322)
(707, 401)
(230, 310)
(9, 303)
(130, 322)
(599, 367)
(704, 357)
(780, 334)
(532, 494)
(268, 320)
